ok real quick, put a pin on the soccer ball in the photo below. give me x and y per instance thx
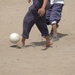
(14, 38)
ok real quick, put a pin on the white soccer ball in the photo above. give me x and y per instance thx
(14, 38)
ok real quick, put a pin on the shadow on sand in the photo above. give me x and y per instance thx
(62, 35)
(41, 43)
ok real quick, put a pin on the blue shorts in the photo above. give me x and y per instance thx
(30, 19)
(54, 13)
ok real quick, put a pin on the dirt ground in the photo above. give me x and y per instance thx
(33, 59)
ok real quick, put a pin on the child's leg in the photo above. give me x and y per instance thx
(41, 24)
(21, 43)
(48, 42)
(28, 22)
(51, 33)
(55, 17)
(54, 27)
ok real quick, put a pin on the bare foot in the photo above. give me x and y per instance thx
(48, 44)
(20, 44)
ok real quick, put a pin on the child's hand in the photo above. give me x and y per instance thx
(41, 12)
(29, 1)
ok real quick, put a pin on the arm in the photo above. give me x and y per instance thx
(44, 4)
(41, 11)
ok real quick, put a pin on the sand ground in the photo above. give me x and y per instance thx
(33, 59)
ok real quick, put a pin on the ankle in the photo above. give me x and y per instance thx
(47, 38)
(23, 40)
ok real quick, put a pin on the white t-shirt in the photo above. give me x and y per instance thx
(56, 1)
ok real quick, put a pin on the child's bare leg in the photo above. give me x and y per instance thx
(54, 26)
(48, 42)
(21, 43)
